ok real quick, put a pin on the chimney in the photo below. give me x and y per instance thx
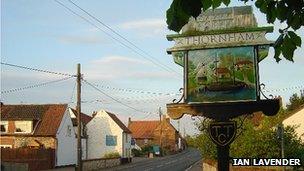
(94, 113)
(129, 121)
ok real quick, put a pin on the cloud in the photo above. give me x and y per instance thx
(150, 26)
(118, 60)
(75, 39)
(122, 68)
(145, 23)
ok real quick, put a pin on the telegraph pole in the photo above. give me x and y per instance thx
(160, 132)
(79, 155)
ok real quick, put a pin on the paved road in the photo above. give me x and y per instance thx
(177, 162)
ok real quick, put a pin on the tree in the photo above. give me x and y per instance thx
(289, 11)
(253, 142)
(295, 102)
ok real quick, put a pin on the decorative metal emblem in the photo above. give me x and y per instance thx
(222, 133)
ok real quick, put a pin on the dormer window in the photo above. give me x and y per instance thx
(4, 126)
(23, 126)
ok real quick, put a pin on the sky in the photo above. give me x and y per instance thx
(45, 35)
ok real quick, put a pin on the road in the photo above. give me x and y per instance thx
(177, 162)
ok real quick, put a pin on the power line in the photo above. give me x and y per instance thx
(114, 99)
(119, 35)
(34, 86)
(114, 38)
(38, 70)
(284, 89)
(128, 90)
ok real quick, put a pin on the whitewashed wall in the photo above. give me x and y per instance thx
(97, 129)
(127, 145)
(66, 152)
(296, 119)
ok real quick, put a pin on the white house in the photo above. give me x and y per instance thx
(297, 119)
(40, 126)
(85, 119)
(106, 133)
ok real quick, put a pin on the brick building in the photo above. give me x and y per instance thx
(154, 132)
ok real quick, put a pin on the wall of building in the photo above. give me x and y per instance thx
(126, 145)
(18, 141)
(168, 134)
(97, 129)
(66, 142)
(96, 164)
(296, 120)
(143, 142)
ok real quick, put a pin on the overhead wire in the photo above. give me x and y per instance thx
(127, 90)
(114, 38)
(37, 70)
(114, 99)
(34, 86)
(121, 36)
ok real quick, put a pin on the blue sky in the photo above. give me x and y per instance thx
(43, 34)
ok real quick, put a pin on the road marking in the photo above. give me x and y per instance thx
(148, 169)
(160, 165)
(192, 165)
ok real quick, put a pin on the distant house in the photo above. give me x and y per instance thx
(243, 64)
(106, 134)
(39, 126)
(152, 133)
(85, 119)
(296, 119)
(222, 72)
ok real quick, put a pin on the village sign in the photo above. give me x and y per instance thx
(220, 51)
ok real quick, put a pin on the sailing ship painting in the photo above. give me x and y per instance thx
(226, 74)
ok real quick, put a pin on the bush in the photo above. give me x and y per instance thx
(111, 155)
(147, 149)
(136, 152)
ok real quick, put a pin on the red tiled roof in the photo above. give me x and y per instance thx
(84, 118)
(244, 62)
(49, 116)
(119, 123)
(221, 70)
(143, 129)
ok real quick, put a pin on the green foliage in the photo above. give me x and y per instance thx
(289, 11)
(258, 141)
(136, 152)
(111, 155)
(295, 101)
(147, 149)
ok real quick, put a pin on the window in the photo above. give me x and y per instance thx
(111, 140)
(23, 126)
(5, 146)
(69, 130)
(4, 126)
(126, 135)
(145, 141)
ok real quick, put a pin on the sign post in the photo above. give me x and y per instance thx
(220, 52)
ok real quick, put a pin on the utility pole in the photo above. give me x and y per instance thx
(280, 136)
(161, 131)
(79, 152)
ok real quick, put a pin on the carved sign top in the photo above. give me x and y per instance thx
(221, 19)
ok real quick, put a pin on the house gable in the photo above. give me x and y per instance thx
(45, 119)
(66, 151)
(296, 119)
(101, 126)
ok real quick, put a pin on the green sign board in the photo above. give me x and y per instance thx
(220, 51)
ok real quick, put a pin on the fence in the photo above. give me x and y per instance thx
(36, 159)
